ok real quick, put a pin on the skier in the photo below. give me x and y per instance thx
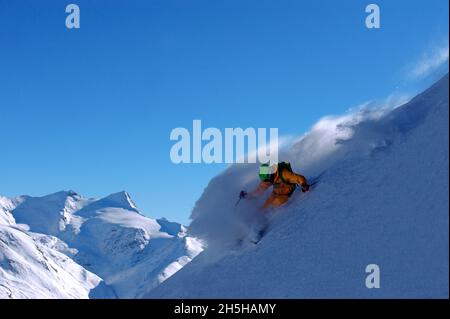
(283, 180)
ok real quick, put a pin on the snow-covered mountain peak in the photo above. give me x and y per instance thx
(49, 214)
(6, 205)
(116, 202)
(108, 236)
(120, 200)
(35, 265)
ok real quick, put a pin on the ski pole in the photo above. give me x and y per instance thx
(242, 195)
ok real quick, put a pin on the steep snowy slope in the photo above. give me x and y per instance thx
(131, 252)
(36, 265)
(382, 199)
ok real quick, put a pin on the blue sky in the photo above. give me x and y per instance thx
(92, 109)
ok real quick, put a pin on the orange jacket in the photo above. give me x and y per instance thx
(279, 186)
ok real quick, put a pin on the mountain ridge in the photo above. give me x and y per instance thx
(108, 236)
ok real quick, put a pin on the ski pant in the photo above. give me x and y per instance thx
(275, 200)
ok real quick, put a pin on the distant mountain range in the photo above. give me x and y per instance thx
(66, 246)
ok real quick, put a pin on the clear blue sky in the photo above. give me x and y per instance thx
(92, 109)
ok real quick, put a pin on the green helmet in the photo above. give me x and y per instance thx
(265, 172)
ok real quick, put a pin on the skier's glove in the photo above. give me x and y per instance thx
(305, 188)
(243, 194)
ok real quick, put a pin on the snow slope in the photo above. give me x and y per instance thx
(130, 252)
(382, 199)
(38, 266)
(5, 216)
